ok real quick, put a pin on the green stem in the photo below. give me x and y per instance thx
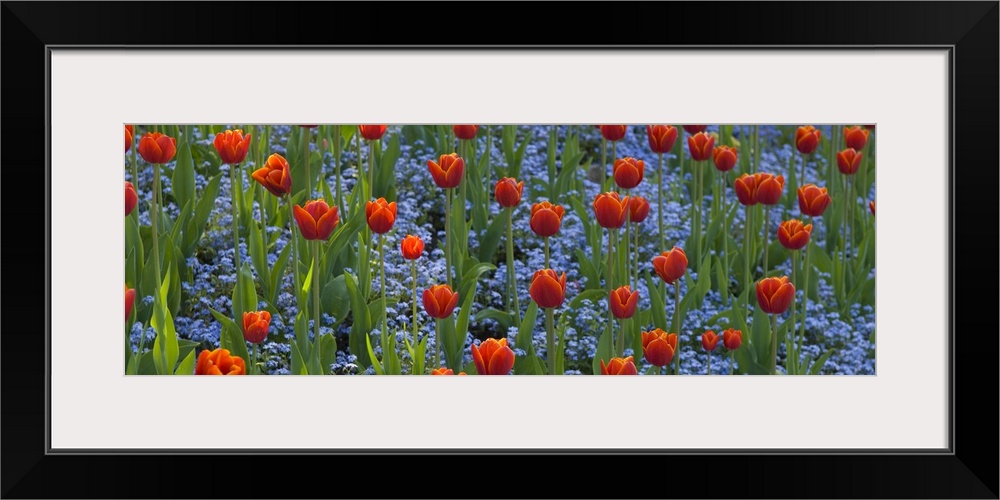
(628, 239)
(614, 155)
(371, 166)
(604, 158)
(437, 344)
(767, 236)
(659, 202)
(805, 298)
(385, 314)
(295, 252)
(732, 361)
(793, 359)
(306, 136)
(154, 218)
(550, 340)
(773, 360)
(756, 148)
(677, 325)
(724, 287)
(697, 202)
(843, 242)
(461, 185)
(635, 257)
(680, 164)
(611, 286)
(336, 164)
(620, 341)
(746, 255)
(802, 177)
(256, 370)
(413, 274)
(709, 372)
(511, 278)
(547, 253)
(447, 236)
(234, 189)
(316, 291)
(489, 167)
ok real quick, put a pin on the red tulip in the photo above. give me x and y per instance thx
(448, 171)
(381, 215)
(255, 326)
(848, 161)
(813, 200)
(613, 132)
(219, 362)
(546, 218)
(638, 209)
(372, 132)
(308, 126)
(128, 138)
(769, 188)
(609, 209)
(870, 127)
(694, 129)
(871, 206)
(656, 347)
(548, 289)
(411, 247)
(793, 235)
(700, 145)
(622, 302)
(440, 301)
(493, 357)
(465, 132)
(155, 147)
(661, 137)
(746, 189)
(774, 295)
(628, 172)
(807, 139)
(725, 158)
(732, 339)
(671, 265)
(508, 192)
(316, 220)
(131, 198)
(444, 371)
(129, 301)
(856, 137)
(619, 366)
(275, 175)
(232, 146)
(709, 340)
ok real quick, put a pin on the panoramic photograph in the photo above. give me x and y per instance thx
(504, 249)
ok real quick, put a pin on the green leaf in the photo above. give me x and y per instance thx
(199, 219)
(362, 321)
(456, 345)
(760, 335)
(231, 338)
(603, 351)
(491, 240)
(818, 365)
(182, 182)
(165, 347)
(469, 279)
(278, 272)
(371, 355)
(298, 361)
(187, 365)
(258, 255)
(588, 270)
(335, 300)
(504, 318)
(657, 305)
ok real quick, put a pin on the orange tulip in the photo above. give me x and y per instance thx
(131, 198)
(619, 366)
(255, 326)
(746, 189)
(317, 220)
(807, 139)
(793, 235)
(774, 295)
(856, 137)
(694, 129)
(548, 289)
(813, 200)
(638, 209)
(219, 362)
(628, 172)
(448, 171)
(274, 175)
(372, 132)
(623, 301)
(613, 132)
(725, 158)
(546, 218)
(700, 145)
(609, 209)
(444, 371)
(128, 138)
(508, 192)
(661, 137)
(656, 347)
(440, 301)
(493, 357)
(732, 339)
(129, 301)
(848, 161)
(411, 247)
(709, 340)
(871, 206)
(381, 215)
(465, 132)
(155, 147)
(232, 146)
(671, 265)
(769, 188)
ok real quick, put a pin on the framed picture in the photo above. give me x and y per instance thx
(881, 410)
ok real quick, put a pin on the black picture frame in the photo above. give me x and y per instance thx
(969, 31)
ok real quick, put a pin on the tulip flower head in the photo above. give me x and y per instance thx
(411, 247)
(848, 161)
(774, 295)
(232, 146)
(638, 209)
(275, 175)
(813, 200)
(793, 235)
(628, 172)
(128, 138)
(440, 301)
(465, 132)
(219, 362)
(871, 206)
(155, 147)
(661, 137)
(372, 132)
(807, 139)
(732, 339)
(610, 209)
(656, 347)
(548, 289)
(613, 132)
(671, 265)
(769, 188)
(619, 366)
(856, 137)
(725, 158)
(700, 146)
(444, 371)
(623, 301)
(508, 192)
(493, 357)
(381, 215)
(746, 189)
(255, 326)
(316, 219)
(131, 198)
(694, 129)
(709, 340)
(129, 301)
(546, 218)
(447, 171)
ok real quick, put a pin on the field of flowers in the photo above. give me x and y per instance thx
(541, 249)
